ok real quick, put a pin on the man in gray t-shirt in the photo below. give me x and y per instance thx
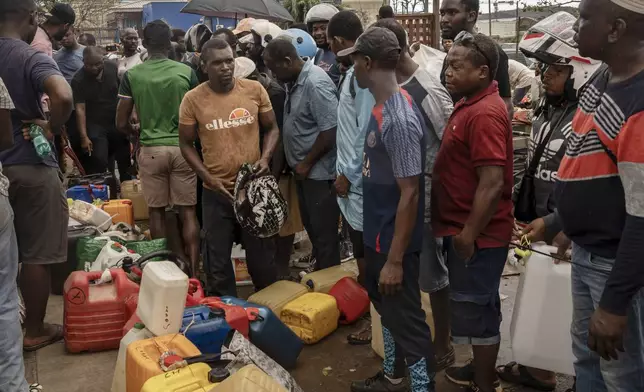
(308, 134)
(70, 57)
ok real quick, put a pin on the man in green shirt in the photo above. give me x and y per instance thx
(156, 88)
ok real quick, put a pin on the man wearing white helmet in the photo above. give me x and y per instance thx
(262, 32)
(316, 21)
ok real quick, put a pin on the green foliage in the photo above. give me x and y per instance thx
(299, 8)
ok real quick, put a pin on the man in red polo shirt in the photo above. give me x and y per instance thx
(472, 206)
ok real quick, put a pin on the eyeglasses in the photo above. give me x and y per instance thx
(467, 38)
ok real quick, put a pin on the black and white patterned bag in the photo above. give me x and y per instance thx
(259, 206)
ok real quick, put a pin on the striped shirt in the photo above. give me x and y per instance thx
(436, 106)
(5, 104)
(394, 148)
(600, 191)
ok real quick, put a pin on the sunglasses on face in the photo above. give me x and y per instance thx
(467, 38)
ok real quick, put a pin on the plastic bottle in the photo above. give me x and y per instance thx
(41, 144)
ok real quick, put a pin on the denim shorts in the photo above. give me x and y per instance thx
(433, 271)
(474, 294)
(12, 370)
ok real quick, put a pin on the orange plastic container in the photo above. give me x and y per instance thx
(120, 210)
(142, 361)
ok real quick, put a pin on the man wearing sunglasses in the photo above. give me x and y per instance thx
(59, 20)
(472, 204)
(459, 16)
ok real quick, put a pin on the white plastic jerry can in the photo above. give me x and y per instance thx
(162, 297)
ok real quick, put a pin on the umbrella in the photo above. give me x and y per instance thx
(261, 9)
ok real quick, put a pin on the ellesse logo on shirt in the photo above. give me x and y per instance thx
(238, 118)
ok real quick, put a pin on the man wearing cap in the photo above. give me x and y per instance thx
(310, 120)
(59, 20)
(393, 161)
(243, 29)
(36, 191)
(604, 159)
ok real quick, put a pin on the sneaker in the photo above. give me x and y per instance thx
(379, 383)
(464, 376)
(303, 262)
(309, 268)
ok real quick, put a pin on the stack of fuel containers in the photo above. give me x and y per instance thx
(313, 309)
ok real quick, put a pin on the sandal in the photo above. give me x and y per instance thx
(446, 360)
(360, 338)
(506, 373)
(56, 336)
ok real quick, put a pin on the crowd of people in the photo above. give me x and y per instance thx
(418, 166)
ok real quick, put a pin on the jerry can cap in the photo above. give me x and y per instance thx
(218, 374)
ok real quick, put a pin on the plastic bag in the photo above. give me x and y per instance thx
(145, 247)
(87, 250)
(242, 352)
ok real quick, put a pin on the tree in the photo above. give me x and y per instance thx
(88, 12)
(554, 6)
(299, 8)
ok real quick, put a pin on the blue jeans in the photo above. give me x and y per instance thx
(595, 374)
(12, 369)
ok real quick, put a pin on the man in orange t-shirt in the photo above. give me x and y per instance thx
(226, 114)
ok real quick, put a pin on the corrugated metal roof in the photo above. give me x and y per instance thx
(137, 5)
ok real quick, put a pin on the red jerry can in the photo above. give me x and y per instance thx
(353, 300)
(95, 314)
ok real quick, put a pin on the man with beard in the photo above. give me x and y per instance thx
(36, 191)
(226, 113)
(459, 16)
(599, 201)
(317, 20)
(95, 97)
(131, 56)
(564, 73)
(59, 20)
